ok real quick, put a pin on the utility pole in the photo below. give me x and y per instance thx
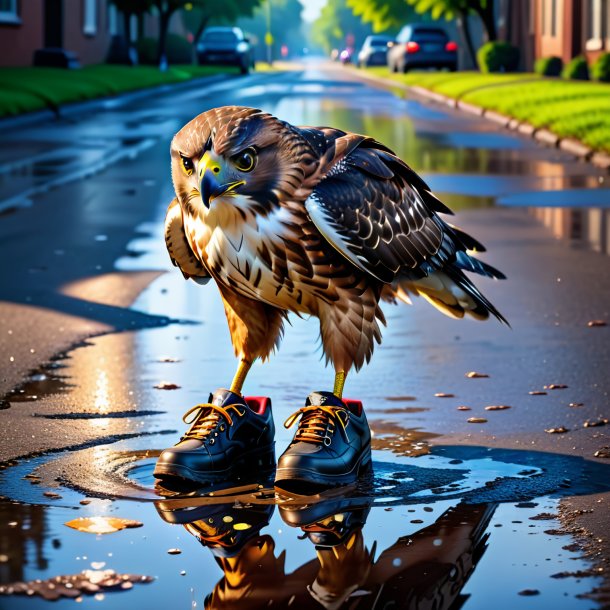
(269, 35)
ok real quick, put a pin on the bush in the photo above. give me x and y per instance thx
(498, 57)
(576, 69)
(548, 66)
(178, 49)
(601, 68)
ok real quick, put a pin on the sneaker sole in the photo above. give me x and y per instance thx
(306, 475)
(261, 460)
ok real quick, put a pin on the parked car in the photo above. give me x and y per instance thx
(422, 46)
(374, 51)
(225, 46)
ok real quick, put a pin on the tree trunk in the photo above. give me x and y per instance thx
(464, 26)
(164, 19)
(202, 25)
(131, 51)
(488, 18)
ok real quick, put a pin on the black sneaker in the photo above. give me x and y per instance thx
(331, 446)
(229, 435)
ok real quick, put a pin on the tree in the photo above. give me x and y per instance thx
(336, 23)
(129, 8)
(383, 15)
(198, 15)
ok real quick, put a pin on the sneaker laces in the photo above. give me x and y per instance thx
(205, 417)
(317, 423)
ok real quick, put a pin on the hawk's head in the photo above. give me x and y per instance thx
(239, 157)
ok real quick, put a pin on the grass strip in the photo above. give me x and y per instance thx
(29, 89)
(570, 109)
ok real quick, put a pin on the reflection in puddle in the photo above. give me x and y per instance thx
(588, 227)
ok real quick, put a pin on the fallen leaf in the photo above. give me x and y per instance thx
(475, 375)
(166, 385)
(594, 423)
(476, 420)
(443, 395)
(596, 323)
(102, 525)
(558, 430)
(88, 582)
(497, 408)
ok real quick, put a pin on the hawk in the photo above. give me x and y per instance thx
(315, 221)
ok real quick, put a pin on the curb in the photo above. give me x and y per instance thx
(106, 102)
(544, 136)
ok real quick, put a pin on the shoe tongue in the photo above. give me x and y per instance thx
(324, 399)
(223, 397)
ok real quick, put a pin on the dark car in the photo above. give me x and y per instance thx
(225, 46)
(422, 46)
(374, 51)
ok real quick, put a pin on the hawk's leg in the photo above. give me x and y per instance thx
(340, 377)
(256, 329)
(240, 376)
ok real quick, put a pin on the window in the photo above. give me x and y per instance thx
(8, 12)
(549, 18)
(594, 25)
(112, 20)
(90, 17)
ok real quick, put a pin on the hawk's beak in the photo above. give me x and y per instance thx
(209, 187)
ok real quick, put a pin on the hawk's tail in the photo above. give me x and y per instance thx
(451, 292)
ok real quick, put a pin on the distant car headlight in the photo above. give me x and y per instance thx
(242, 47)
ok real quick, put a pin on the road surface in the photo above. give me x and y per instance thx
(93, 317)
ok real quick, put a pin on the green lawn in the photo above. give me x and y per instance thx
(573, 109)
(29, 89)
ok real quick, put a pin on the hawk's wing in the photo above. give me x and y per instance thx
(178, 247)
(380, 215)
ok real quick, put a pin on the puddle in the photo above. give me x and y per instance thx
(430, 529)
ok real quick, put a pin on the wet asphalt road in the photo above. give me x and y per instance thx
(82, 204)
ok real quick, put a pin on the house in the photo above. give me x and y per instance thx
(567, 28)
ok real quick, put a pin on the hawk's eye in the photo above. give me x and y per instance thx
(245, 160)
(187, 165)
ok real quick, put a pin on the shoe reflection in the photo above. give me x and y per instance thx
(427, 569)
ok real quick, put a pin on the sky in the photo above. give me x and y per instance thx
(312, 8)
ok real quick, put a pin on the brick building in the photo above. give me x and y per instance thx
(82, 27)
(568, 28)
